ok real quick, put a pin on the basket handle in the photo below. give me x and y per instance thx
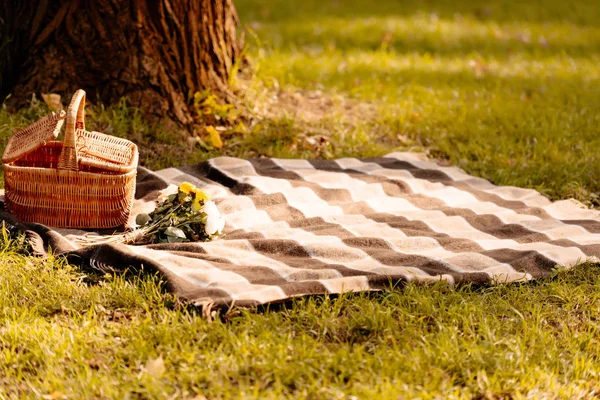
(75, 120)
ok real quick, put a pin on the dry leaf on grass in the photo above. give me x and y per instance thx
(156, 367)
(52, 100)
(214, 137)
(54, 395)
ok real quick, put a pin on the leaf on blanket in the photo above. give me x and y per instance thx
(142, 219)
(175, 235)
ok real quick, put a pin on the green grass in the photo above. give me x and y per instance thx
(506, 90)
(83, 336)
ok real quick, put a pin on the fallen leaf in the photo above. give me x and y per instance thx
(385, 42)
(240, 128)
(524, 37)
(156, 367)
(54, 395)
(96, 363)
(403, 139)
(52, 100)
(479, 67)
(214, 137)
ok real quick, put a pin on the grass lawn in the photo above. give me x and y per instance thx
(506, 90)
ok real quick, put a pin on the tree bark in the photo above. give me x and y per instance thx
(157, 53)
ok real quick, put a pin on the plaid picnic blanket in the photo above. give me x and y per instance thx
(300, 227)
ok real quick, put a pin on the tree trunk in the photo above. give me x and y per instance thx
(155, 52)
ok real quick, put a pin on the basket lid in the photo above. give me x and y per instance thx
(34, 136)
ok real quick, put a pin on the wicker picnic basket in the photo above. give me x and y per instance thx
(86, 181)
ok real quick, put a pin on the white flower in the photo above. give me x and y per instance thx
(214, 221)
(166, 192)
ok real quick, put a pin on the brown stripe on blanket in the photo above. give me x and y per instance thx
(304, 288)
(413, 228)
(482, 222)
(309, 263)
(216, 175)
(588, 224)
(440, 177)
(380, 250)
(318, 226)
(296, 256)
(148, 183)
(275, 205)
(590, 250)
(292, 254)
(419, 228)
(437, 176)
(255, 274)
(299, 262)
(531, 261)
(485, 223)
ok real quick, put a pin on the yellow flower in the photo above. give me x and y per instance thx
(200, 195)
(187, 188)
(196, 206)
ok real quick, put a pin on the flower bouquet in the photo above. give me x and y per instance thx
(183, 213)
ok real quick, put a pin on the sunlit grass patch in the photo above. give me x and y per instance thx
(507, 90)
(428, 33)
(68, 333)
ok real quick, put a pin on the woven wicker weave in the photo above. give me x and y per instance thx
(87, 181)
